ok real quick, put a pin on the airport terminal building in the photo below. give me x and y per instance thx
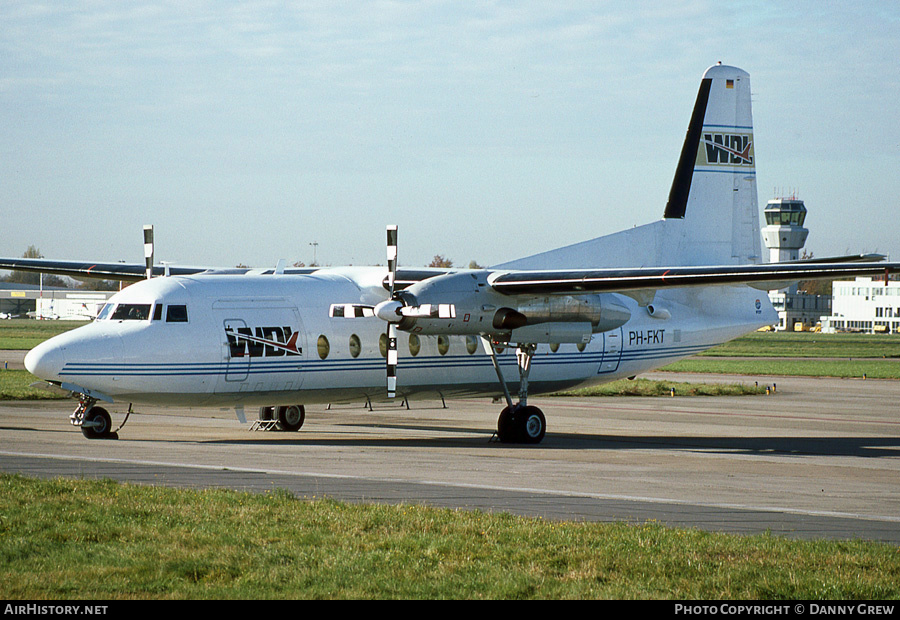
(864, 305)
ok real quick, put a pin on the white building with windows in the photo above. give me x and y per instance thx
(864, 305)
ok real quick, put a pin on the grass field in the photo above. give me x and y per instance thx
(806, 344)
(68, 539)
(872, 356)
(812, 367)
(647, 387)
(23, 334)
(16, 385)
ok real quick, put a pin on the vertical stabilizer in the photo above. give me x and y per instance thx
(714, 189)
(712, 215)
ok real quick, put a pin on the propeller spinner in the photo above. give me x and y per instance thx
(399, 311)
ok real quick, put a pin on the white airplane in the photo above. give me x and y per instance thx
(611, 307)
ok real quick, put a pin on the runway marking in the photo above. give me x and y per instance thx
(460, 485)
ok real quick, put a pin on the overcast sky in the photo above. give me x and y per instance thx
(247, 131)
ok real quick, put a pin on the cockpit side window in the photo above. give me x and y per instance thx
(157, 312)
(131, 312)
(176, 314)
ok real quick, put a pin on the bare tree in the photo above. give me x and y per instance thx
(440, 261)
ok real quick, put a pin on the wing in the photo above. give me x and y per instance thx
(764, 277)
(124, 272)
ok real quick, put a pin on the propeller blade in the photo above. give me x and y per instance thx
(392, 361)
(430, 311)
(392, 256)
(392, 325)
(148, 250)
(351, 311)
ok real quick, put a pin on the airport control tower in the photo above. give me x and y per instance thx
(784, 234)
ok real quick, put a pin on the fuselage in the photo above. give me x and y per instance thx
(259, 340)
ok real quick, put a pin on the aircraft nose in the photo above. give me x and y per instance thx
(55, 358)
(45, 360)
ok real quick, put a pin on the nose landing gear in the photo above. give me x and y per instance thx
(94, 421)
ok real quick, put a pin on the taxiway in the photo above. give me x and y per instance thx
(818, 458)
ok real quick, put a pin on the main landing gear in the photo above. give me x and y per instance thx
(283, 418)
(519, 422)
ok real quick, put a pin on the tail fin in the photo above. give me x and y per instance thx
(714, 189)
(712, 215)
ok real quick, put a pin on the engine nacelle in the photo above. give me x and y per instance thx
(480, 310)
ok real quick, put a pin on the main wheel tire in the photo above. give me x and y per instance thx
(291, 418)
(521, 425)
(506, 426)
(97, 424)
(531, 424)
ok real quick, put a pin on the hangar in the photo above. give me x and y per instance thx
(34, 301)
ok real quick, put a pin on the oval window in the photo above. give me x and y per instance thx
(382, 345)
(443, 344)
(355, 345)
(581, 346)
(554, 346)
(415, 345)
(323, 347)
(471, 344)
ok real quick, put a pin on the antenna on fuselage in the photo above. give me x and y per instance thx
(148, 250)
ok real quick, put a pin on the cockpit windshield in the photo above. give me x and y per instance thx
(174, 313)
(130, 312)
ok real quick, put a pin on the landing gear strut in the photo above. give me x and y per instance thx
(519, 422)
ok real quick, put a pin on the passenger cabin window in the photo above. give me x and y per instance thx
(176, 314)
(414, 345)
(131, 312)
(323, 347)
(471, 344)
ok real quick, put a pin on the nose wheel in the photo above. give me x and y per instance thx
(94, 421)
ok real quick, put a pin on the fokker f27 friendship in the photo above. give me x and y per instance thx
(611, 307)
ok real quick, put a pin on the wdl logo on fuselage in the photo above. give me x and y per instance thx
(262, 341)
